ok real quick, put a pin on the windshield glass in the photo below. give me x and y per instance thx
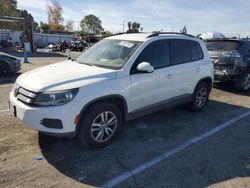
(109, 53)
(222, 45)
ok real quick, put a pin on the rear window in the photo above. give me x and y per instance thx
(222, 45)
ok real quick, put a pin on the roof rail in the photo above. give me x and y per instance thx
(159, 33)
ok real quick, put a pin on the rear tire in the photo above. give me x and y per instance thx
(200, 97)
(99, 125)
(243, 83)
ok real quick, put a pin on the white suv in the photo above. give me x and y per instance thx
(119, 78)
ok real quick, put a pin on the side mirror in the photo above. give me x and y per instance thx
(145, 67)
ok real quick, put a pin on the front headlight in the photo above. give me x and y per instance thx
(55, 98)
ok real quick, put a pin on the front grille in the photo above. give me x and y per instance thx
(24, 95)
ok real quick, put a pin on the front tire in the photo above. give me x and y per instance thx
(4, 68)
(200, 97)
(99, 125)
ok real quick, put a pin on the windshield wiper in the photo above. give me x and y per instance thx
(89, 64)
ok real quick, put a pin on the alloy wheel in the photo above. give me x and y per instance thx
(201, 97)
(246, 83)
(104, 126)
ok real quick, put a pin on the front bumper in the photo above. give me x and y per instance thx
(34, 116)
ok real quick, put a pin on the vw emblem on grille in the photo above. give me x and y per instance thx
(16, 91)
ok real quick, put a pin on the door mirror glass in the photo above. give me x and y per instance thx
(145, 67)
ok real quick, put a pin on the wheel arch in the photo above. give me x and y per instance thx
(207, 80)
(5, 65)
(118, 100)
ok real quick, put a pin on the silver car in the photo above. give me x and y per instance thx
(9, 64)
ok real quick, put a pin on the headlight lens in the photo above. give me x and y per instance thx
(55, 98)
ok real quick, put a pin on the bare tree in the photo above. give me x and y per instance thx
(69, 25)
(55, 19)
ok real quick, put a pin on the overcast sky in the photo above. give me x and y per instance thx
(228, 17)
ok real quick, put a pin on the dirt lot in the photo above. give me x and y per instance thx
(219, 160)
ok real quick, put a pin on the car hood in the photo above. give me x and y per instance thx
(8, 55)
(63, 76)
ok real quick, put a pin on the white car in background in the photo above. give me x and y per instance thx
(119, 78)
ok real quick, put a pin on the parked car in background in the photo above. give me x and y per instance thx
(78, 46)
(9, 64)
(61, 47)
(231, 59)
(119, 78)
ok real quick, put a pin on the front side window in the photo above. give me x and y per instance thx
(109, 53)
(156, 53)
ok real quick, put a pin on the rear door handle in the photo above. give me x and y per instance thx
(169, 76)
(198, 69)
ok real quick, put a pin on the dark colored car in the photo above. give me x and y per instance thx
(78, 46)
(9, 64)
(231, 59)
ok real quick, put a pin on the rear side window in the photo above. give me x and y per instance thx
(196, 51)
(181, 51)
(156, 53)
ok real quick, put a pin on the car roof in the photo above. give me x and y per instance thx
(141, 37)
(133, 36)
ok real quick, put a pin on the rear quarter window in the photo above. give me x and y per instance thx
(196, 51)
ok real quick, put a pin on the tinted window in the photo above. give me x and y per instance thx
(181, 51)
(156, 53)
(222, 45)
(196, 51)
(244, 48)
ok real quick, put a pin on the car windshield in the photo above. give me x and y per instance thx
(109, 53)
(222, 45)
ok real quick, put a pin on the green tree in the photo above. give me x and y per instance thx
(91, 24)
(9, 8)
(107, 34)
(133, 27)
(44, 26)
(9, 3)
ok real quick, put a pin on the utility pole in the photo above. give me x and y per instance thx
(123, 26)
